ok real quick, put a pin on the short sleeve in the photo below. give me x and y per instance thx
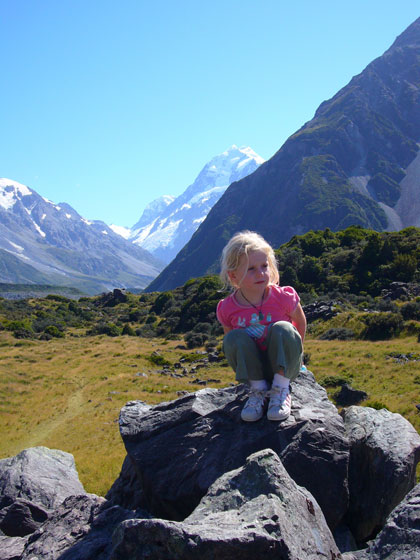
(291, 298)
(221, 317)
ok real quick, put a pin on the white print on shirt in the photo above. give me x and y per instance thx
(241, 322)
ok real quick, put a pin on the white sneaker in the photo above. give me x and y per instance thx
(254, 406)
(280, 403)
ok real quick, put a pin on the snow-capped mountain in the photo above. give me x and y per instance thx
(46, 243)
(168, 223)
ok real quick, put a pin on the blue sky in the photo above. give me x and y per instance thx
(107, 105)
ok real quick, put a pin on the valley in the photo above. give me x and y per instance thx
(66, 393)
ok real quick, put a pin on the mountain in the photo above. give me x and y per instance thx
(168, 223)
(356, 162)
(45, 243)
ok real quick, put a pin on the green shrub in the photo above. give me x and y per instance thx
(194, 340)
(382, 326)
(146, 331)
(151, 318)
(110, 329)
(339, 333)
(158, 360)
(23, 333)
(54, 331)
(335, 381)
(411, 310)
(128, 330)
(57, 297)
(377, 405)
(163, 300)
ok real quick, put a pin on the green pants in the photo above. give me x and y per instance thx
(284, 350)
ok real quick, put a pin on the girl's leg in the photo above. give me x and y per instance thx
(284, 349)
(285, 355)
(244, 358)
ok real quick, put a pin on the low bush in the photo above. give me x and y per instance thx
(23, 333)
(158, 360)
(340, 333)
(377, 405)
(382, 326)
(110, 329)
(411, 310)
(128, 330)
(54, 331)
(194, 340)
(335, 381)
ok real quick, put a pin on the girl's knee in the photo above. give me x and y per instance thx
(284, 327)
(236, 336)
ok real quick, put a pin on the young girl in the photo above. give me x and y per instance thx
(264, 326)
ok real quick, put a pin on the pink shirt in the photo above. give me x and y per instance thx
(280, 303)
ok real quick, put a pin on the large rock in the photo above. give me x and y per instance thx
(39, 475)
(385, 449)
(256, 511)
(11, 548)
(179, 449)
(22, 518)
(400, 538)
(80, 529)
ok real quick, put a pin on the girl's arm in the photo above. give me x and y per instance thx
(299, 320)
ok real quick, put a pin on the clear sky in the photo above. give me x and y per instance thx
(108, 104)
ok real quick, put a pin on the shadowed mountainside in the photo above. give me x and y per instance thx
(353, 163)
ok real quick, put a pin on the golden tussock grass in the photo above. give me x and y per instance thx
(67, 393)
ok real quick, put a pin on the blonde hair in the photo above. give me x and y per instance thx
(242, 243)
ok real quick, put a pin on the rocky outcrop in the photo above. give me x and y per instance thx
(401, 290)
(198, 483)
(400, 537)
(80, 529)
(177, 450)
(255, 511)
(348, 395)
(39, 476)
(385, 450)
(320, 310)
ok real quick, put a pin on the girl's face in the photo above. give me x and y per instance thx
(252, 274)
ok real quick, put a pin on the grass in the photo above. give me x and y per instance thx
(67, 393)
(372, 369)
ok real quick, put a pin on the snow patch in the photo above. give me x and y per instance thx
(121, 231)
(38, 229)
(18, 247)
(11, 192)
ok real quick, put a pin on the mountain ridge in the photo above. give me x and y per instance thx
(168, 223)
(343, 167)
(44, 242)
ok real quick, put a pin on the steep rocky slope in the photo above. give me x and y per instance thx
(355, 162)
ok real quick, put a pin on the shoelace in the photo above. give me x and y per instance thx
(278, 396)
(256, 398)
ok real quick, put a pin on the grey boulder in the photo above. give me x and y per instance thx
(385, 449)
(178, 449)
(39, 475)
(400, 537)
(80, 529)
(11, 548)
(255, 511)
